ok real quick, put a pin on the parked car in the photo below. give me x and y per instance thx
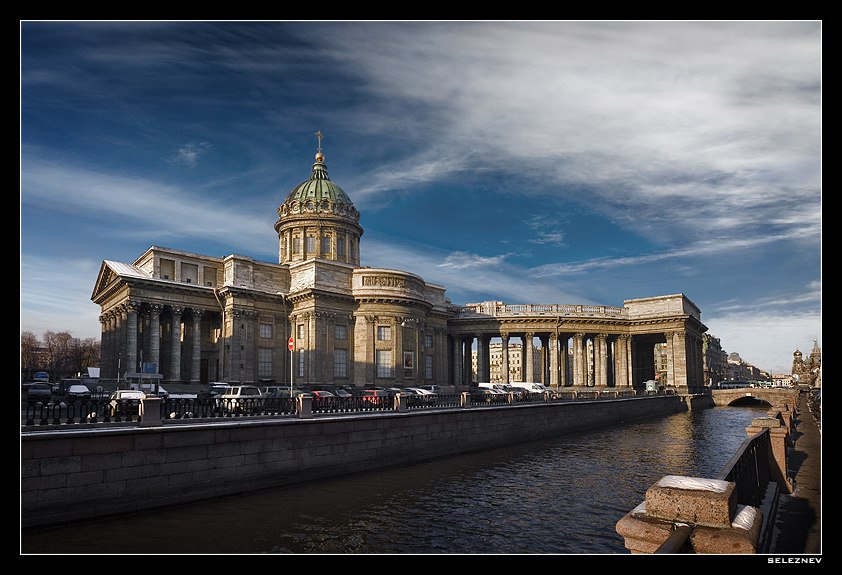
(321, 394)
(433, 388)
(212, 389)
(375, 396)
(423, 394)
(343, 393)
(78, 392)
(126, 402)
(39, 392)
(150, 389)
(485, 394)
(240, 399)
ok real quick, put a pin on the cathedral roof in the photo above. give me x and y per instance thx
(318, 195)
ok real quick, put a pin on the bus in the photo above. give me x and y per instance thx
(736, 384)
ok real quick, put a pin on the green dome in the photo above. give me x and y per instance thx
(318, 195)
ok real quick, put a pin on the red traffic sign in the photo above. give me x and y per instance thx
(291, 343)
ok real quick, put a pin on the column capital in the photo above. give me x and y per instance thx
(176, 310)
(156, 308)
(504, 335)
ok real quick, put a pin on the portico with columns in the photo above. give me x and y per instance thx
(584, 346)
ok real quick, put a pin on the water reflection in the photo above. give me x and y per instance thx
(562, 495)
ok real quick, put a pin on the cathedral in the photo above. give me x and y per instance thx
(808, 371)
(318, 316)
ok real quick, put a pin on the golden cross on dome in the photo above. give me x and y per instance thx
(319, 136)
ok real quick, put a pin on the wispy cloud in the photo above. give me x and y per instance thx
(189, 153)
(706, 247)
(49, 184)
(462, 260)
(546, 232)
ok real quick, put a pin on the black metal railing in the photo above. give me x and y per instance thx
(352, 404)
(749, 469)
(63, 411)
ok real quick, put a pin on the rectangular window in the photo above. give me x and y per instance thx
(428, 367)
(266, 330)
(384, 333)
(383, 360)
(296, 245)
(340, 247)
(301, 332)
(310, 244)
(341, 332)
(300, 363)
(428, 341)
(326, 245)
(340, 363)
(264, 362)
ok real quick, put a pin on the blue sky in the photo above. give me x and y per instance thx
(530, 162)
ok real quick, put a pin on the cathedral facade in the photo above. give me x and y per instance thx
(319, 317)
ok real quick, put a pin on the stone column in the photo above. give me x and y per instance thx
(155, 334)
(457, 360)
(602, 359)
(505, 357)
(622, 376)
(553, 349)
(397, 349)
(482, 376)
(578, 363)
(563, 379)
(131, 337)
(175, 355)
(105, 356)
(630, 360)
(588, 352)
(680, 358)
(528, 363)
(670, 358)
(196, 364)
(118, 338)
(545, 359)
(466, 362)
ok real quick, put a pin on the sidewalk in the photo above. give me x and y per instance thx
(798, 525)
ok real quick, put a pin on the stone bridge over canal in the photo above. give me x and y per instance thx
(775, 396)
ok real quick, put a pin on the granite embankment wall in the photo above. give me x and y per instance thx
(69, 475)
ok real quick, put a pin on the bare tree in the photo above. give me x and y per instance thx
(29, 346)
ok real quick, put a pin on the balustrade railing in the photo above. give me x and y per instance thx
(542, 309)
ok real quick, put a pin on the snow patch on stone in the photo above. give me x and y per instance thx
(745, 517)
(693, 483)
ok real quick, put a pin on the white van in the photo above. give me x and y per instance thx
(530, 386)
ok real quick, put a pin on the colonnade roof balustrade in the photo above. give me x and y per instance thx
(533, 309)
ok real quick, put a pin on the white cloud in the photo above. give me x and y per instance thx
(49, 184)
(767, 340)
(462, 260)
(189, 153)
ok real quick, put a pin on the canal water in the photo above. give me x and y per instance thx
(557, 496)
